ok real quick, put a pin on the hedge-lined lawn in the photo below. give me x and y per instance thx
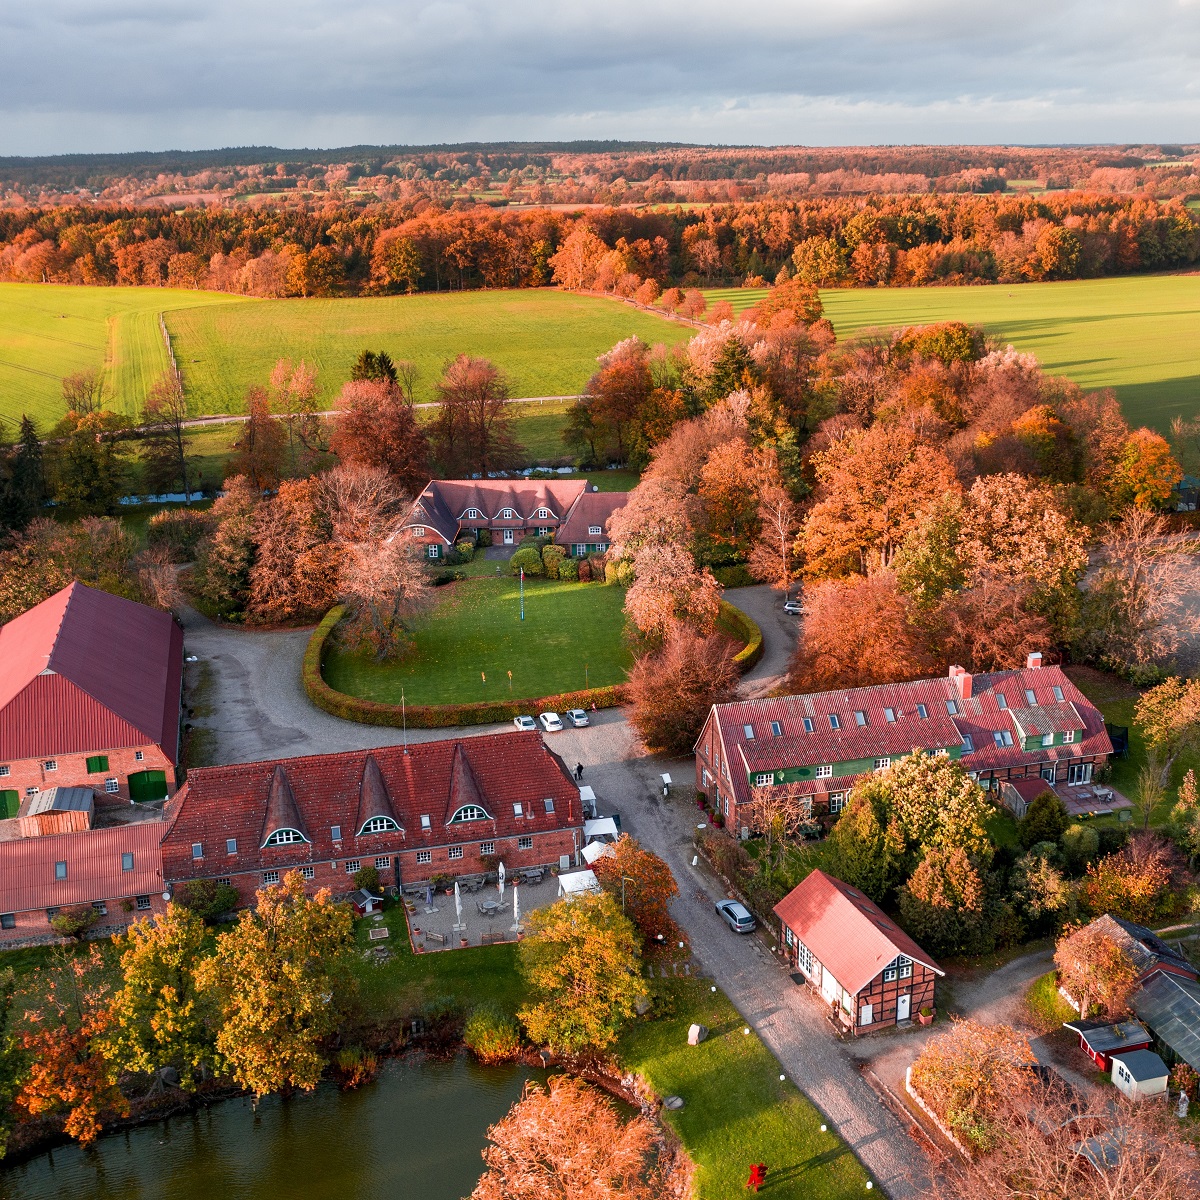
(476, 631)
(736, 1109)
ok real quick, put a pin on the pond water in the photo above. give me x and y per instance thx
(417, 1132)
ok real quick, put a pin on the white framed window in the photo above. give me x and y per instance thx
(127, 861)
(835, 722)
(307, 873)
(225, 881)
(231, 845)
(543, 531)
(143, 903)
(543, 513)
(285, 837)
(4, 770)
(518, 809)
(270, 877)
(525, 843)
(379, 825)
(860, 718)
(808, 725)
(548, 805)
(804, 958)
(1047, 739)
(905, 965)
(433, 551)
(425, 826)
(764, 779)
(454, 852)
(889, 974)
(595, 531)
(335, 832)
(352, 865)
(1078, 773)
(1031, 697)
(32, 791)
(111, 786)
(423, 857)
(139, 756)
(825, 771)
(922, 712)
(865, 1015)
(197, 849)
(382, 864)
(1002, 738)
(1058, 693)
(776, 729)
(507, 514)
(1068, 736)
(473, 514)
(487, 847)
(51, 764)
(469, 812)
(837, 801)
(882, 764)
(418, 530)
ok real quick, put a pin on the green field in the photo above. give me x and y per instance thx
(546, 341)
(1138, 334)
(48, 331)
(476, 631)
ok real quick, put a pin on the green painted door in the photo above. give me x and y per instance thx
(148, 785)
(10, 802)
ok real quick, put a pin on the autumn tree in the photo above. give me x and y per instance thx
(297, 402)
(164, 439)
(944, 905)
(1169, 718)
(225, 557)
(1147, 473)
(159, 1017)
(866, 847)
(580, 963)
(617, 393)
(68, 1075)
(1045, 820)
(1095, 970)
(385, 588)
(276, 977)
(647, 891)
(83, 391)
(668, 590)
(1134, 882)
(378, 428)
(473, 431)
(88, 462)
(566, 1141)
(874, 486)
(1185, 817)
(857, 632)
(988, 627)
(576, 260)
(773, 555)
(777, 813)
(1040, 891)
(729, 493)
(259, 450)
(671, 690)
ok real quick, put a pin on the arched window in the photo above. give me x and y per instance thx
(508, 514)
(469, 812)
(543, 513)
(378, 825)
(472, 514)
(285, 837)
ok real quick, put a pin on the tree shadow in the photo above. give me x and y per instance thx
(779, 1176)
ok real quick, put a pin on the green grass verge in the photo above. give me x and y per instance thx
(545, 340)
(736, 1109)
(1046, 1007)
(465, 648)
(1138, 334)
(50, 330)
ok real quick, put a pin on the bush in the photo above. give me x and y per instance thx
(465, 550)
(619, 571)
(528, 558)
(444, 577)
(178, 531)
(367, 877)
(568, 569)
(207, 898)
(733, 577)
(598, 563)
(733, 622)
(583, 570)
(485, 538)
(552, 560)
(1045, 820)
(491, 1035)
(74, 921)
(353, 1066)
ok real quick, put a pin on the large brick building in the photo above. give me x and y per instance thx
(438, 808)
(89, 695)
(1032, 723)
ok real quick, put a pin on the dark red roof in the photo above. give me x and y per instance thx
(444, 503)
(847, 931)
(591, 510)
(93, 858)
(85, 670)
(249, 801)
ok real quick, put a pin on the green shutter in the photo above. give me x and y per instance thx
(97, 763)
(10, 802)
(147, 785)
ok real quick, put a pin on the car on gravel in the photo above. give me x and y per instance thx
(551, 722)
(577, 717)
(524, 723)
(736, 916)
(793, 607)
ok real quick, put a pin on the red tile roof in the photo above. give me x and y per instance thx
(976, 715)
(85, 670)
(851, 935)
(592, 509)
(444, 502)
(93, 859)
(433, 779)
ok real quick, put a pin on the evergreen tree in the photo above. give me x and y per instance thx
(376, 365)
(23, 488)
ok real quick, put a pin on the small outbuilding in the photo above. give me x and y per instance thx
(366, 902)
(1101, 1040)
(1140, 1073)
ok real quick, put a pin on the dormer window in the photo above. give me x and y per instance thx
(418, 530)
(470, 812)
(543, 513)
(425, 825)
(507, 514)
(594, 531)
(835, 722)
(285, 837)
(1068, 736)
(379, 825)
(473, 514)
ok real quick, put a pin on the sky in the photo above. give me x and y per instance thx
(117, 75)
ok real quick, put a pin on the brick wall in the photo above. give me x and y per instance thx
(71, 771)
(33, 927)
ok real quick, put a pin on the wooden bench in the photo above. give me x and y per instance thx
(440, 938)
(492, 939)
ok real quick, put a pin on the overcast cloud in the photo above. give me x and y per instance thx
(107, 75)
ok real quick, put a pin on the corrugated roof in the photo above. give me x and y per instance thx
(1170, 1005)
(1106, 1036)
(60, 799)
(93, 858)
(85, 670)
(846, 930)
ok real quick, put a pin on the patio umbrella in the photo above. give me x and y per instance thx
(500, 885)
(516, 911)
(457, 903)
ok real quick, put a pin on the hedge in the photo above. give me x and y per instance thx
(734, 622)
(734, 577)
(432, 716)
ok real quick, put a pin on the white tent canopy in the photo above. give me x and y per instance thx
(577, 883)
(599, 828)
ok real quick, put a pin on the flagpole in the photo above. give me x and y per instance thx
(522, 593)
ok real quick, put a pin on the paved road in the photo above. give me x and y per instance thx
(764, 605)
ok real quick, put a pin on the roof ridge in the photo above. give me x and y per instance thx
(62, 620)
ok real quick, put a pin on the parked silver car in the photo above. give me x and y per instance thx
(524, 723)
(737, 916)
(577, 717)
(551, 722)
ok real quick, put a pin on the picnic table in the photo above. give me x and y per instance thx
(489, 908)
(533, 875)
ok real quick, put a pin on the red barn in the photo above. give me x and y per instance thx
(89, 695)
(440, 808)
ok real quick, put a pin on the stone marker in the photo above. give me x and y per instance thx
(697, 1034)
(674, 1103)
(642, 1005)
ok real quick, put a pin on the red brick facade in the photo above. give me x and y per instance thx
(24, 776)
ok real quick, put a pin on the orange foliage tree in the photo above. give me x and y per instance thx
(647, 892)
(1095, 970)
(1134, 883)
(1147, 472)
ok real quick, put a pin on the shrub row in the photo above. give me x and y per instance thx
(735, 576)
(734, 622)
(432, 716)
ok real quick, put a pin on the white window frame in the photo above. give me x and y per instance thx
(889, 715)
(881, 764)
(1058, 693)
(126, 856)
(764, 779)
(418, 531)
(383, 864)
(860, 719)
(270, 877)
(1031, 697)
(524, 843)
(433, 551)
(197, 850)
(470, 812)
(380, 825)
(424, 857)
(111, 786)
(952, 707)
(837, 801)
(595, 531)
(139, 756)
(748, 732)
(50, 764)
(308, 873)
(824, 771)
(285, 837)
(352, 865)
(4, 770)
(1047, 739)
(1068, 737)
(425, 826)
(543, 514)
(143, 903)
(454, 852)
(335, 832)
(487, 847)
(231, 845)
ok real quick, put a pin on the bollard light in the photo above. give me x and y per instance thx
(713, 989)
(746, 1030)
(824, 1128)
(782, 1078)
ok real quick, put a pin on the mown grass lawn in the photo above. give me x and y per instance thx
(572, 637)
(545, 340)
(736, 1109)
(1138, 334)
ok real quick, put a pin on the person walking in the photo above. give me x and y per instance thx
(578, 772)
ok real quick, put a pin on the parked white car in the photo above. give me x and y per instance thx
(524, 723)
(551, 722)
(794, 607)
(577, 717)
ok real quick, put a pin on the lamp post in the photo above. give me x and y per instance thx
(623, 879)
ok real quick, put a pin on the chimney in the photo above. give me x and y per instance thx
(962, 681)
(1034, 661)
